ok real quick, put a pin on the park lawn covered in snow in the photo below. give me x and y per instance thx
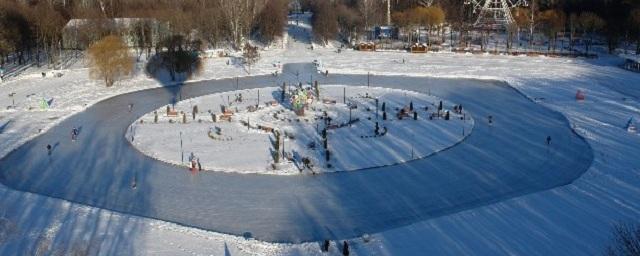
(249, 149)
(71, 90)
(576, 219)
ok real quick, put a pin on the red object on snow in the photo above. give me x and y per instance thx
(580, 95)
(194, 166)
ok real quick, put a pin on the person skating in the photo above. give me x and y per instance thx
(134, 183)
(74, 134)
(548, 140)
(49, 149)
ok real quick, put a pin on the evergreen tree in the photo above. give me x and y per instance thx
(276, 146)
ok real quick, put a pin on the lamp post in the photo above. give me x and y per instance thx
(350, 115)
(181, 151)
(376, 108)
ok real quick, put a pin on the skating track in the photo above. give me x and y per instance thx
(495, 163)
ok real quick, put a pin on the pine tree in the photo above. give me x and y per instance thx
(276, 147)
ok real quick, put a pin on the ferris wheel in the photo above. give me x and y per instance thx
(494, 13)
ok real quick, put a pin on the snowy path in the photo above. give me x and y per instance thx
(489, 166)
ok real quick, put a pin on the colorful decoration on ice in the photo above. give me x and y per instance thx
(300, 99)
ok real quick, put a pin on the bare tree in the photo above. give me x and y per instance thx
(553, 22)
(49, 24)
(371, 11)
(349, 22)
(272, 19)
(590, 23)
(634, 20)
(238, 14)
(250, 54)
(110, 59)
(325, 24)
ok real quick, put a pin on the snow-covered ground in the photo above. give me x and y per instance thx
(239, 148)
(22, 116)
(575, 219)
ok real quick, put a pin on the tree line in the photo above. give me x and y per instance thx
(350, 20)
(32, 30)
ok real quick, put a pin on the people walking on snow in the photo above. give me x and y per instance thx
(325, 246)
(345, 248)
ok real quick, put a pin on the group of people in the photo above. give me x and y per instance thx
(74, 136)
(345, 247)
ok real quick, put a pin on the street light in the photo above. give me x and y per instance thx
(376, 108)
(181, 151)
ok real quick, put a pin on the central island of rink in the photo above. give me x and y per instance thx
(362, 127)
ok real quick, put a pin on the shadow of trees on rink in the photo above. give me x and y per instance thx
(38, 225)
(178, 61)
(626, 240)
(349, 204)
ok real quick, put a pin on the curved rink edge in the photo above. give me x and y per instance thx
(495, 163)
